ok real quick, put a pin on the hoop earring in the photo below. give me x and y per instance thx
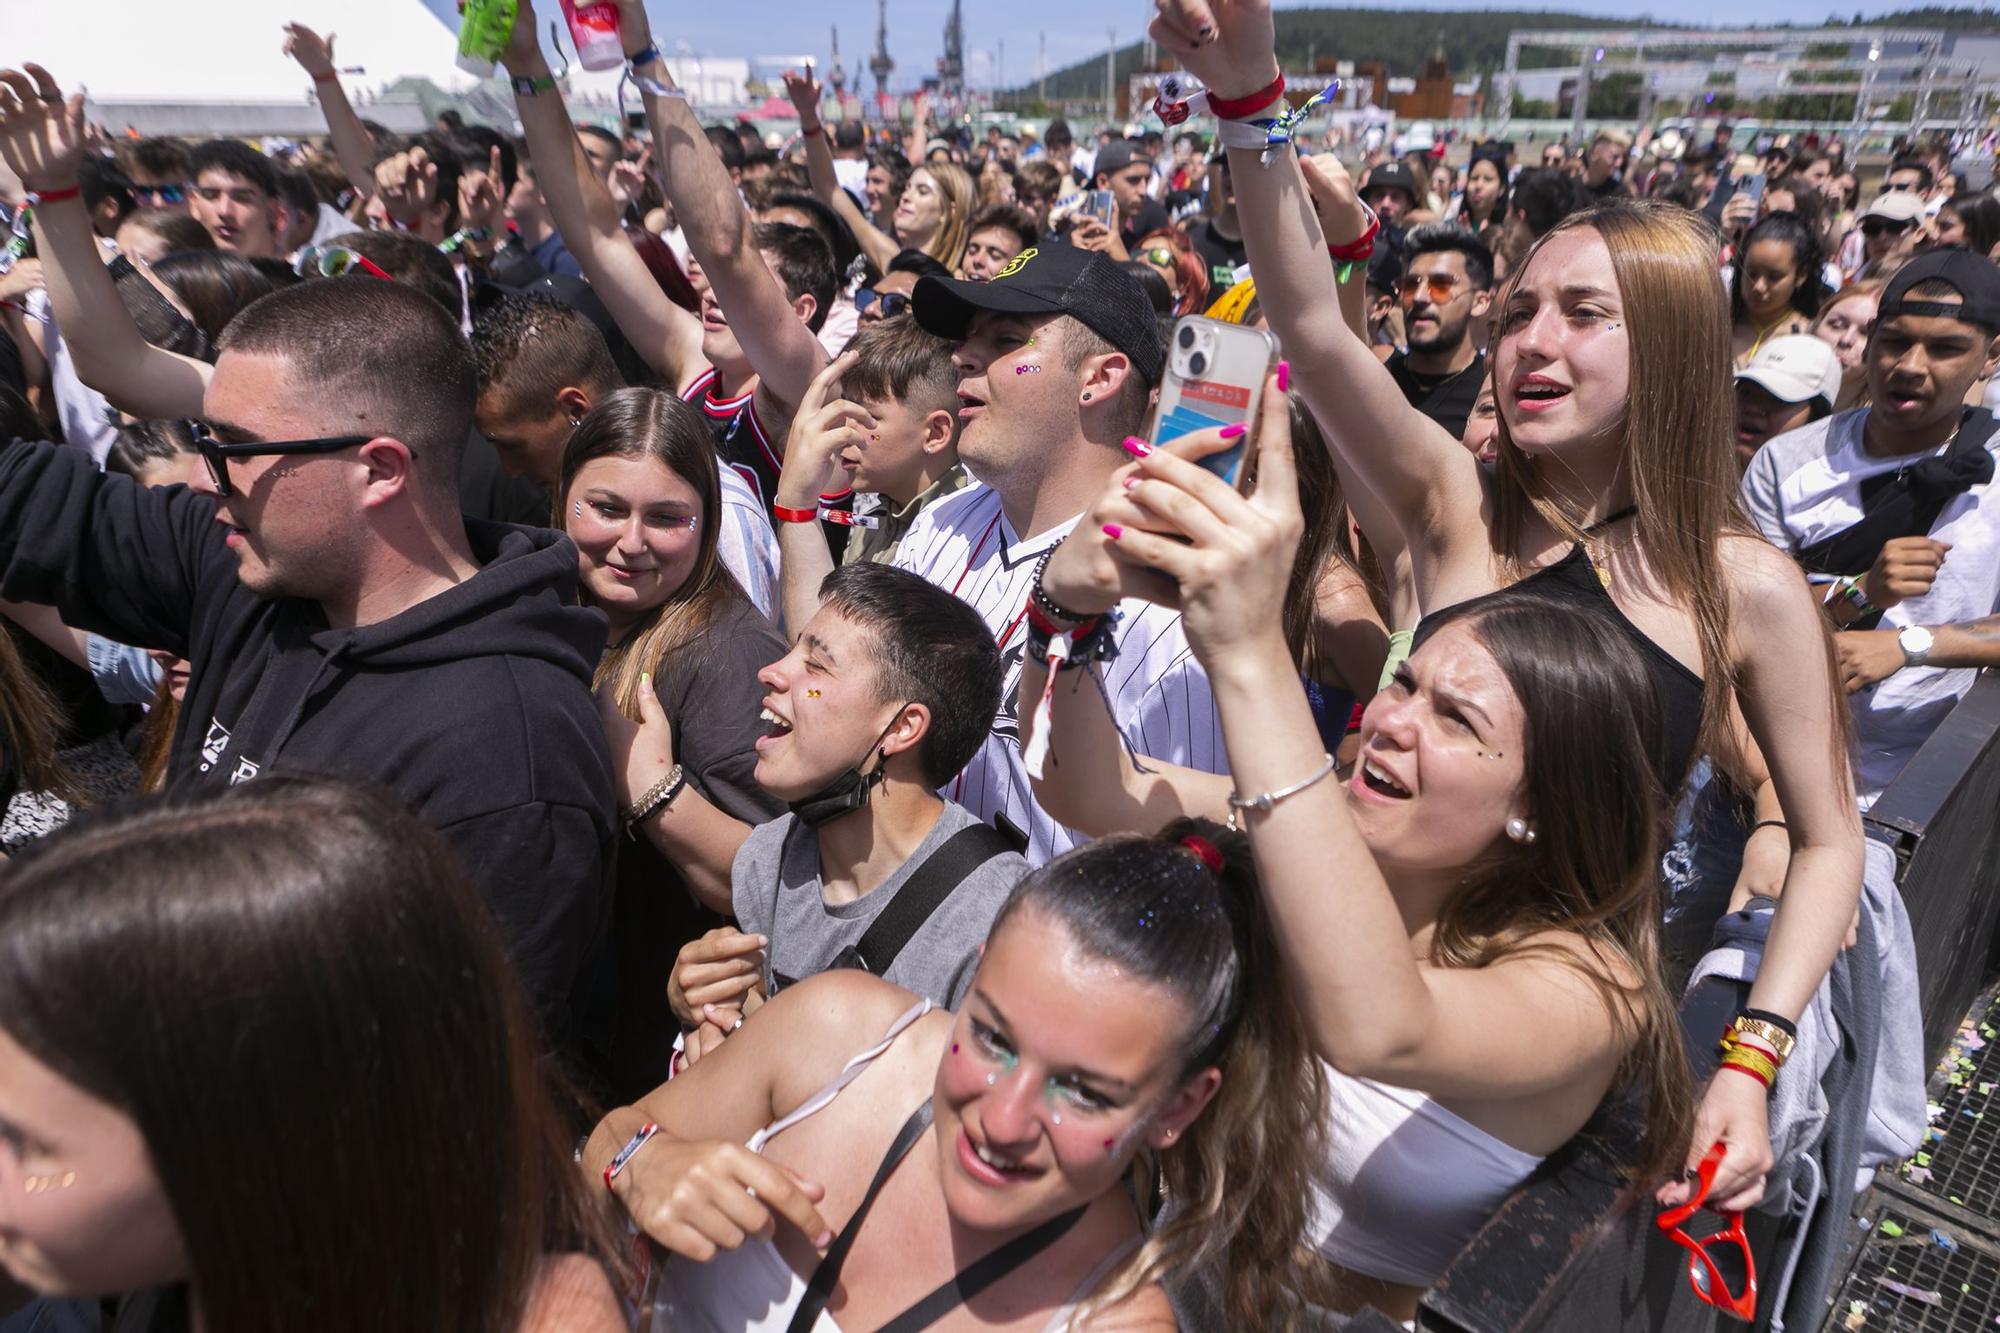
(1518, 830)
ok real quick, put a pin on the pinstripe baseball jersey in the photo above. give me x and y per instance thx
(1159, 694)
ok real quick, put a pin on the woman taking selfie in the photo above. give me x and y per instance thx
(1615, 483)
(1127, 1013)
(678, 693)
(1485, 877)
(240, 1039)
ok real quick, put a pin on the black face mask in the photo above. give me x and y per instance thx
(848, 792)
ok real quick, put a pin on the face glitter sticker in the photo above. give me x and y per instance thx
(1027, 370)
(577, 509)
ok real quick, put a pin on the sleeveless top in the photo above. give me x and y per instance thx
(751, 1289)
(1574, 580)
(1405, 1182)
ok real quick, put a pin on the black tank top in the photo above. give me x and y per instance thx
(1574, 580)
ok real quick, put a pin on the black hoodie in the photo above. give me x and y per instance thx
(473, 705)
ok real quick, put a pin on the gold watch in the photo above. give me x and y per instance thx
(1779, 1040)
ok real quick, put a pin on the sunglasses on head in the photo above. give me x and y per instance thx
(333, 261)
(1720, 1268)
(1159, 256)
(155, 196)
(1439, 288)
(217, 454)
(893, 303)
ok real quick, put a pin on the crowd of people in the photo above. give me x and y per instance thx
(622, 727)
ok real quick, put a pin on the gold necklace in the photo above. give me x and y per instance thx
(1603, 568)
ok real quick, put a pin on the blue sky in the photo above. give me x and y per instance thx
(233, 51)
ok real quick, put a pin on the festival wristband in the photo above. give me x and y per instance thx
(57, 196)
(645, 56)
(534, 87)
(632, 1145)
(329, 77)
(787, 514)
(1362, 246)
(811, 131)
(1236, 108)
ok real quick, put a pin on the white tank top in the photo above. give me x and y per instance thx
(1406, 1182)
(751, 1289)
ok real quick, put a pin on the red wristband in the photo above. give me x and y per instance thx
(331, 76)
(55, 196)
(1236, 108)
(1745, 1069)
(785, 514)
(811, 132)
(1045, 624)
(1359, 248)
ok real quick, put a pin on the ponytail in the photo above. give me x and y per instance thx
(1236, 1185)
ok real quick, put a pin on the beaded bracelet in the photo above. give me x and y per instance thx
(1094, 639)
(1041, 600)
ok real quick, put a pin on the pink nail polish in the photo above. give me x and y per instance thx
(1137, 447)
(1284, 377)
(1232, 430)
(1113, 531)
(1132, 481)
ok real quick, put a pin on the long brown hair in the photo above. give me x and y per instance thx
(1676, 442)
(294, 991)
(31, 724)
(957, 197)
(655, 424)
(1593, 740)
(1239, 1175)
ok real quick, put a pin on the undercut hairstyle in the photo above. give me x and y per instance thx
(933, 649)
(1240, 1174)
(1434, 238)
(357, 339)
(297, 191)
(530, 348)
(473, 145)
(164, 160)
(1012, 217)
(1925, 176)
(1080, 342)
(147, 444)
(413, 262)
(339, 943)
(176, 229)
(803, 263)
(100, 180)
(900, 361)
(727, 146)
(237, 158)
(1785, 229)
(1544, 196)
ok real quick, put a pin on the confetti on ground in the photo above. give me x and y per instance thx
(1917, 1294)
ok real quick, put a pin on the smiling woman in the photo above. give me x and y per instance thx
(1127, 1016)
(641, 498)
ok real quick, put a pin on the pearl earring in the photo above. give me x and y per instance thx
(992, 1079)
(1518, 830)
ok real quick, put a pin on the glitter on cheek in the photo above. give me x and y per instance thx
(1027, 370)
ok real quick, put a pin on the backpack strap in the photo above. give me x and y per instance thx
(925, 891)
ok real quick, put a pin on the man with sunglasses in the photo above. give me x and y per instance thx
(1446, 286)
(339, 614)
(1889, 232)
(160, 173)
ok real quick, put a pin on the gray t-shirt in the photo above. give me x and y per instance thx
(775, 884)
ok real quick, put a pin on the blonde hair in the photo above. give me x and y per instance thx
(957, 197)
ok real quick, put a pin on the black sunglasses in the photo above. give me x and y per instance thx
(1877, 226)
(161, 194)
(217, 454)
(893, 303)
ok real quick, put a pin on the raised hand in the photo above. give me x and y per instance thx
(1230, 45)
(313, 52)
(41, 134)
(1342, 215)
(821, 431)
(804, 90)
(482, 198)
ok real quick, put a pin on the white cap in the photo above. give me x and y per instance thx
(1897, 206)
(1795, 368)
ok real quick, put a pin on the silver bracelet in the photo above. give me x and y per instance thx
(1263, 801)
(657, 797)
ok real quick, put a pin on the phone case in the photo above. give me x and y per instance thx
(1215, 377)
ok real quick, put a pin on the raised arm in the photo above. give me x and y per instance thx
(668, 337)
(820, 430)
(352, 144)
(41, 135)
(878, 245)
(782, 350)
(1372, 1009)
(1421, 474)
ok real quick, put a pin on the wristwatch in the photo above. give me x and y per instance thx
(1916, 643)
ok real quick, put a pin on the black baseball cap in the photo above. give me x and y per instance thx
(1052, 279)
(1974, 277)
(1390, 176)
(1118, 155)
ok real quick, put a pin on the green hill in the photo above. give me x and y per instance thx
(1474, 41)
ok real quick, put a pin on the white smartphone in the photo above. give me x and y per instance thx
(1215, 377)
